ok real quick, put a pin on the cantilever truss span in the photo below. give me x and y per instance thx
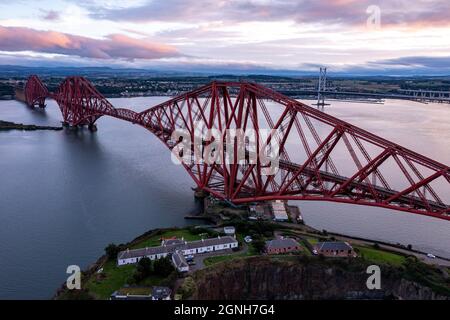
(320, 157)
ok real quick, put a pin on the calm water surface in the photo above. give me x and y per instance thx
(65, 195)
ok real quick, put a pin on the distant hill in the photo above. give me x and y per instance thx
(7, 71)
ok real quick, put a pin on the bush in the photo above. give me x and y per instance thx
(112, 251)
(198, 231)
(163, 267)
(144, 269)
(259, 245)
(187, 288)
(145, 266)
(376, 246)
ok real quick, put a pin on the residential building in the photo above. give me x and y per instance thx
(229, 230)
(161, 293)
(179, 261)
(279, 246)
(279, 211)
(334, 249)
(258, 212)
(186, 248)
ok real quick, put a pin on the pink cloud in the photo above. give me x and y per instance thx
(347, 12)
(115, 46)
(50, 15)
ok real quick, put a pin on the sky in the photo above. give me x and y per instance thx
(394, 37)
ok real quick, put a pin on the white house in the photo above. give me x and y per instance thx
(179, 261)
(186, 248)
(229, 230)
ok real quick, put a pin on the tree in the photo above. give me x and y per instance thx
(163, 267)
(259, 245)
(143, 270)
(144, 266)
(112, 251)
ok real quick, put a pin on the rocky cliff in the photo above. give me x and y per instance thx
(303, 278)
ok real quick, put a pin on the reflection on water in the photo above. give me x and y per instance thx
(65, 195)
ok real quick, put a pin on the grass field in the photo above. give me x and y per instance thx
(115, 278)
(380, 256)
(312, 241)
(218, 259)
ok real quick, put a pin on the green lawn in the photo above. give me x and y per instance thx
(313, 241)
(156, 240)
(115, 279)
(218, 259)
(381, 256)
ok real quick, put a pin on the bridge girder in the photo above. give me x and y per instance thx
(320, 157)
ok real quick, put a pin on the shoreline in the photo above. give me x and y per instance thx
(7, 125)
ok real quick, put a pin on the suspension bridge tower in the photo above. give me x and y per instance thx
(321, 88)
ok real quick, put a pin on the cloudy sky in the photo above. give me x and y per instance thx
(363, 36)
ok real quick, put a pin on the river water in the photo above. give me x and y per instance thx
(65, 195)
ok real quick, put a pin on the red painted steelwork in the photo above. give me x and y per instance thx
(308, 140)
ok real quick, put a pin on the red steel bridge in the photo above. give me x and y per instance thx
(322, 158)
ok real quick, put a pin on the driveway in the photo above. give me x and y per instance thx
(200, 258)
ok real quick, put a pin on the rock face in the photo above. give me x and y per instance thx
(293, 279)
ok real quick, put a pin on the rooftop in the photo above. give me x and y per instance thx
(179, 260)
(334, 246)
(174, 247)
(169, 242)
(161, 292)
(281, 243)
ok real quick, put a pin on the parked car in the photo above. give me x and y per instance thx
(431, 256)
(248, 239)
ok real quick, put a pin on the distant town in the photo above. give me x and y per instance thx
(146, 83)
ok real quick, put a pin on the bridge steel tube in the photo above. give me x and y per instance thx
(308, 140)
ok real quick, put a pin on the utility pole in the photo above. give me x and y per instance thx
(322, 87)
